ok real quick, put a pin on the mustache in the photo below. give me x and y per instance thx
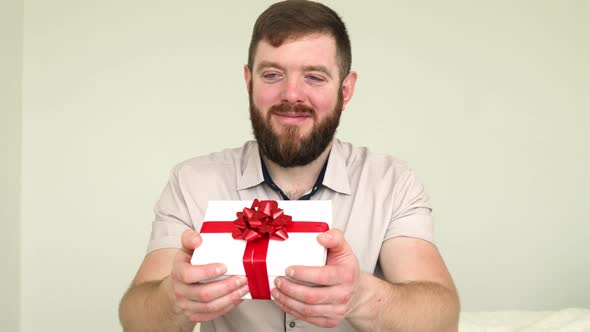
(291, 109)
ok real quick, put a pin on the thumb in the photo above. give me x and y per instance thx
(339, 251)
(191, 240)
(334, 240)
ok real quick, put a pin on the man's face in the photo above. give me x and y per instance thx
(296, 98)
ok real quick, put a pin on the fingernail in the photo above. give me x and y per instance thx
(220, 269)
(275, 294)
(291, 272)
(244, 290)
(241, 281)
(278, 282)
(326, 236)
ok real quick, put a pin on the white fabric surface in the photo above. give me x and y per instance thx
(570, 320)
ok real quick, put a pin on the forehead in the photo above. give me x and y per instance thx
(308, 50)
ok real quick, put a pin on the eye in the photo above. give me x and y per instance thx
(315, 78)
(271, 76)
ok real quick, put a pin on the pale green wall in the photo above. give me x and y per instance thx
(10, 163)
(487, 100)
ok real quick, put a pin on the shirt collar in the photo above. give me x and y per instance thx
(251, 169)
(335, 178)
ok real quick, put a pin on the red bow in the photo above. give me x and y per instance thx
(263, 219)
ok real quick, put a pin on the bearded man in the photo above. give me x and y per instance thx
(383, 272)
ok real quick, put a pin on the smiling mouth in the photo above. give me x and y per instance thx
(293, 114)
(292, 118)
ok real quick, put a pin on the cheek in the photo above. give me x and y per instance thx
(265, 96)
(324, 103)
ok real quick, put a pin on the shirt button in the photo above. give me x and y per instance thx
(292, 324)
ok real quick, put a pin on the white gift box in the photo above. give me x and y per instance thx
(299, 249)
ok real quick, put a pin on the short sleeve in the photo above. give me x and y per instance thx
(412, 213)
(171, 216)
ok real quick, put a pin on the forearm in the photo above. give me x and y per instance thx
(149, 307)
(416, 306)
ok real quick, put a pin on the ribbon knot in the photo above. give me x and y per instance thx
(262, 219)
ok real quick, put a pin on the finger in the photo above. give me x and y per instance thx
(191, 240)
(313, 295)
(186, 273)
(327, 275)
(203, 317)
(309, 310)
(218, 304)
(210, 291)
(325, 315)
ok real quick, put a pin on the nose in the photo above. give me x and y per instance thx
(292, 91)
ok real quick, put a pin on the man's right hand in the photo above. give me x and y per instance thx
(197, 301)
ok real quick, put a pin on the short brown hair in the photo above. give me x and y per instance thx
(297, 18)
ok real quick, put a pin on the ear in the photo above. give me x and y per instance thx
(247, 77)
(348, 88)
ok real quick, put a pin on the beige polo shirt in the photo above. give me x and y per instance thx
(374, 197)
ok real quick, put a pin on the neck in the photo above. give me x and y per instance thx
(296, 181)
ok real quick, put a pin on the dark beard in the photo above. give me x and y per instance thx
(288, 149)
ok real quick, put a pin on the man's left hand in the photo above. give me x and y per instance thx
(328, 303)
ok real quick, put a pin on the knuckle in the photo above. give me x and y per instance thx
(348, 278)
(340, 310)
(337, 274)
(205, 295)
(310, 297)
(344, 298)
(185, 276)
(212, 307)
(182, 306)
(325, 277)
(307, 310)
(178, 293)
(331, 322)
(348, 275)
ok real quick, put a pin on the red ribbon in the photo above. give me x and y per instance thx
(263, 222)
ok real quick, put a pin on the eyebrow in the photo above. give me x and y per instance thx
(269, 64)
